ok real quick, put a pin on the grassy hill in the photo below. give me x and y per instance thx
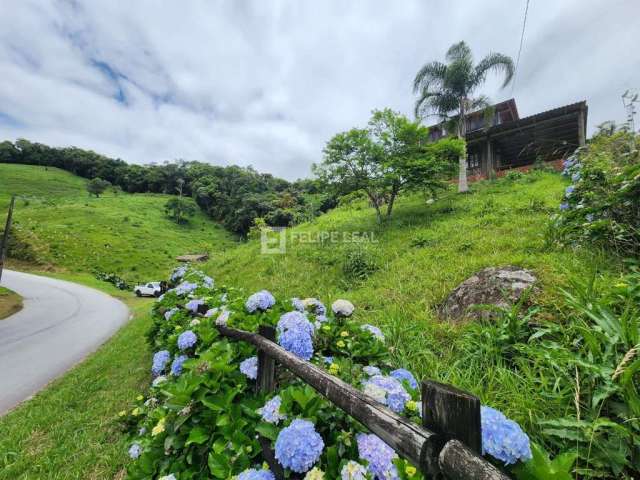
(57, 223)
(423, 253)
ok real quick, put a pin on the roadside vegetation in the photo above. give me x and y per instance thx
(70, 430)
(10, 302)
(57, 224)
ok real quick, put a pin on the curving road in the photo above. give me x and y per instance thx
(60, 324)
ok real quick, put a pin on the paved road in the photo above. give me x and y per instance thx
(60, 324)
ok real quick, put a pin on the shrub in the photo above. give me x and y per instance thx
(359, 262)
(202, 417)
(513, 175)
(601, 205)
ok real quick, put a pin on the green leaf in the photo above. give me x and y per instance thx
(197, 435)
(267, 430)
(218, 465)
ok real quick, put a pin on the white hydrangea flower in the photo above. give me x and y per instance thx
(342, 308)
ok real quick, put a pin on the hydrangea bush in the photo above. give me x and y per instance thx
(202, 418)
(601, 204)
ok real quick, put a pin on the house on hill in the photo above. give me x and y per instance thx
(498, 139)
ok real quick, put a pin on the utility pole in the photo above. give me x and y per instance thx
(5, 237)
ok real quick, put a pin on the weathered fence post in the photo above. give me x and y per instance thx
(266, 381)
(452, 413)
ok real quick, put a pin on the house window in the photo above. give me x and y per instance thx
(473, 161)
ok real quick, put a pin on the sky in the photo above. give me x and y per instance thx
(267, 82)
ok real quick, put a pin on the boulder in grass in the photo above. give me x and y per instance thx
(499, 286)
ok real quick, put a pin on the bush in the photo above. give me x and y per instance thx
(601, 205)
(359, 262)
(202, 417)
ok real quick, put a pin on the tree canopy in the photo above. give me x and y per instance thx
(391, 155)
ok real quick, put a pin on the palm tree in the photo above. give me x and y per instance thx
(446, 89)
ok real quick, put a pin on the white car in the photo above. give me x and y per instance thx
(151, 289)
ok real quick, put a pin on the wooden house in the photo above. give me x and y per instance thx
(498, 139)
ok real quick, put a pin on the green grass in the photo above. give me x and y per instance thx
(422, 254)
(127, 234)
(70, 429)
(10, 302)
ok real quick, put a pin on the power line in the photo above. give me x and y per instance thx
(524, 24)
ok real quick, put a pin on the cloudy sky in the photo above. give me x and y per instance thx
(267, 82)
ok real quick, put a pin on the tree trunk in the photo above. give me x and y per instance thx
(462, 160)
(392, 198)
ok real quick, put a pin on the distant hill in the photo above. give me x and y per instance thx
(57, 223)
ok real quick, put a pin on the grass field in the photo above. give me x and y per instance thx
(70, 429)
(10, 302)
(126, 234)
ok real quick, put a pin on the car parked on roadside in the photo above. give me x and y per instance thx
(151, 289)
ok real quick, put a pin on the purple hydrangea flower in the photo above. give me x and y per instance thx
(375, 331)
(297, 341)
(249, 367)
(353, 471)
(271, 411)
(255, 474)
(387, 390)
(371, 370)
(185, 287)
(160, 360)
(187, 339)
(169, 313)
(403, 374)
(178, 273)
(299, 446)
(176, 366)
(503, 438)
(379, 455)
(135, 451)
(192, 305)
(297, 304)
(294, 321)
(262, 300)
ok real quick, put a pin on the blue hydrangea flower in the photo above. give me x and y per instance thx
(211, 312)
(387, 390)
(160, 360)
(207, 281)
(192, 305)
(294, 321)
(187, 339)
(402, 374)
(328, 360)
(321, 318)
(299, 446)
(135, 451)
(255, 474)
(353, 471)
(298, 342)
(379, 455)
(315, 306)
(375, 331)
(271, 411)
(297, 304)
(564, 206)
(185, 287)
(176, 366)
(262, 300)
(249, 367)
(178, 273)
(371, 370)
(169, 313)
(575, 177)
(590, 217)
(503, 438)
(569, 190)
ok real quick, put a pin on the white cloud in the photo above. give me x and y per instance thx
(267, 83)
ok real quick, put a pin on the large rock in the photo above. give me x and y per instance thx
(500, 286)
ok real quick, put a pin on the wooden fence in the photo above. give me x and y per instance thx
(447, 446)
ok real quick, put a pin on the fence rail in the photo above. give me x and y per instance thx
(446, 446)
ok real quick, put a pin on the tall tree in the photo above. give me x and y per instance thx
(446, 90)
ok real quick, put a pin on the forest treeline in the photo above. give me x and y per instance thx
(232, 195)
